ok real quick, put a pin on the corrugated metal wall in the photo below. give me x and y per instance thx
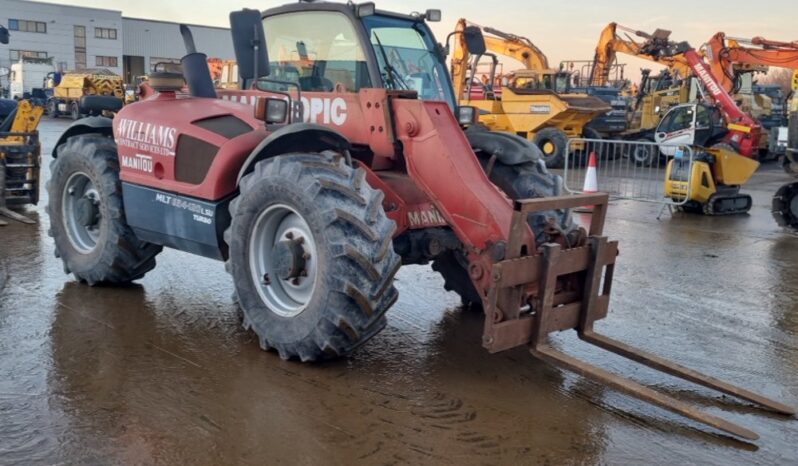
(156, 39)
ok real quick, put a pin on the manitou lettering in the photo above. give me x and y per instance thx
(139, 162)
(707, 79)
(146, 137)
(425, 218)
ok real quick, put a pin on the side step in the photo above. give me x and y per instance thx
(570, 289)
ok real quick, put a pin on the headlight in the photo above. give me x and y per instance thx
(272, 111)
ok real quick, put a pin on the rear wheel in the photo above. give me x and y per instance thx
(87, 218)
(524, 181)
(311, 255)
(553, 142)
(644, 154)
(74, 111)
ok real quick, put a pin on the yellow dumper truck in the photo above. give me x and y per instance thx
(76, 84)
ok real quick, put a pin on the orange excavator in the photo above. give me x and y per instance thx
(724, 54)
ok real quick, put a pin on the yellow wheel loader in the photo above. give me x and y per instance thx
(534, 102)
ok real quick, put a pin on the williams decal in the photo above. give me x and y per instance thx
(146, 137)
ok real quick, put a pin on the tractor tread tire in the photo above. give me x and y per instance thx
(781, 207)
(355, 282)
(525, 181)
(119, 257)
(559, 139)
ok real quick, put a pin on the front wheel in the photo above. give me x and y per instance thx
(52, 108)
(87, 218)
(311, 255)
(528, 180)
(553, 142)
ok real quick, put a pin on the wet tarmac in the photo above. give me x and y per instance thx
(162, 373)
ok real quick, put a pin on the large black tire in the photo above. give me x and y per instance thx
(74, 111)
(52, 108)
(117, 255)
(591, 133)
(553, 142)
(352, 240)
(524, 181)
(785, 206)
(645, 154)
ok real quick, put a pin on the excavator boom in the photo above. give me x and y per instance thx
(611, 43)
(723, 53)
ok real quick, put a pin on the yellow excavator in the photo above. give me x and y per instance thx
(20, 154)
(656, 94)
(533, 102)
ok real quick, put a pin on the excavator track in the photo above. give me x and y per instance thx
(728, 204)
(785, 206)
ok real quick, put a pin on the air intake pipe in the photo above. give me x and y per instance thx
(195, 68)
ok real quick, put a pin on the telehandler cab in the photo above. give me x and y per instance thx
(339, 159)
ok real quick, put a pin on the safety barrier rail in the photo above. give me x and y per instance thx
(633, 170)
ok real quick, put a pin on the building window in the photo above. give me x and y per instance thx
(106, 61)
(80, 47)
(24, 25)
(105, 33)
(15, 55)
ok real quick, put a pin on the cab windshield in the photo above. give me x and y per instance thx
(407, 58)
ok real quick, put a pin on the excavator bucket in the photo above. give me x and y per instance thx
(573, 291)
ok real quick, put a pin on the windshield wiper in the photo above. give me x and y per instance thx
(392, 75)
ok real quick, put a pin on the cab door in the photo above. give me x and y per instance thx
(676, 128)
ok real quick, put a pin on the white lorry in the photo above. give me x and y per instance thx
(28, 74)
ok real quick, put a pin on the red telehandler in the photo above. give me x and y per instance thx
(342, 156)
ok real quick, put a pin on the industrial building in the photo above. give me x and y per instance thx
(79, 37)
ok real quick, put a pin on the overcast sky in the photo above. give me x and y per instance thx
(562, 29)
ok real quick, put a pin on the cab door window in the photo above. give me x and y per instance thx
(318, 50)
(677, 120)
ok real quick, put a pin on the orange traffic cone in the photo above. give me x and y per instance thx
(591, 180)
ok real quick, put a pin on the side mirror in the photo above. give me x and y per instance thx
(433, 16)
(475, 41)
(3, 35)
(249, 42)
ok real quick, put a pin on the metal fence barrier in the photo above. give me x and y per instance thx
(634, 170)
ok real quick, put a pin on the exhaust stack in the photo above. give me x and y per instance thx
(195, 68)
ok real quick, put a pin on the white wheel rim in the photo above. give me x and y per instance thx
(82, 237)
(285, 297)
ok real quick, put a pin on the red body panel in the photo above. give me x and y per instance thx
(435, 180)
(148, 131)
